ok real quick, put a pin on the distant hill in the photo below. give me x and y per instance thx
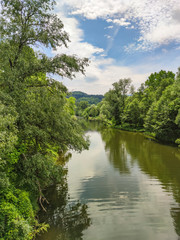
(91, 98)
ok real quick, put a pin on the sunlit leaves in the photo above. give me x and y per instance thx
(116, 98)
(36, 120)
(162, 117)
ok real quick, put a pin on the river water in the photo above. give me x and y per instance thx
(124, 187)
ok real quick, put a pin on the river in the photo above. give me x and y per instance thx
(125, 187)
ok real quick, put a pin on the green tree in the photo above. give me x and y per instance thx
(37, 120)
(155, 79)
(138, 105)
(81, 106)
(153, 89)
(91, 111)
(26, 23)
(71, 105)
(162, 117)
(116, 98)
(132, 112)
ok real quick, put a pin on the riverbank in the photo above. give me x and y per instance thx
(125, 127)
(124, 180)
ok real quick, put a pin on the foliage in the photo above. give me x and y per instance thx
(70, 105)
(154, 108)
(17, 215)
(37, 121)
(116, 98)
(80, 107)
(178, 142)
(8, 129)
(91, 99)
(162, 117)
(156, 79)
(132, 113)
(91, 111)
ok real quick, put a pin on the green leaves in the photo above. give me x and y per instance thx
(8, 129)
(27, 23)
(31, 23)
(162, 117)
(37, 122)
(16, 215)
(155, 106)
(155, 79)
(116, 98)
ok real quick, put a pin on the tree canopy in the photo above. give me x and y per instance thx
(154, 108)
(37, 119)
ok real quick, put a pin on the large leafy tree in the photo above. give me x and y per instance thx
(154, 87)
(116, 98)
(30, 23)
(39, 100)
(138, 105)
(162, 117)
(132, 112)
(37, 121)
(155, 79)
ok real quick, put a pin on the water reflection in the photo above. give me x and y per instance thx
(116, 149)
(159, 161)
(67, 221)
(131, 186)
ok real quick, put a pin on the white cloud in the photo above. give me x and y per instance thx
(109, 27)
(158, 21)
(109, 20)
(107, 36)
(104, 71)
(77, 46)
(121, 22)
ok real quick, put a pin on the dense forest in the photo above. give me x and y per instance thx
(90, 98)
(83, 100)
(37, 121)
(154, 108)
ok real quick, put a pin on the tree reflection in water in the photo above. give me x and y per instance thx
(66, 219)
(116, 149)
(124, 149)
(159, 161)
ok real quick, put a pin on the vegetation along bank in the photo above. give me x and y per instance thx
(37, 121)
(154, 108)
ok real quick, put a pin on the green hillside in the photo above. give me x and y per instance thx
(91, 99)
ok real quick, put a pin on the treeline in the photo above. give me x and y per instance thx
(90, 98)
(154, 108)
(37, 121)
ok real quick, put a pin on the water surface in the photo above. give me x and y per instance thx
(129, 184)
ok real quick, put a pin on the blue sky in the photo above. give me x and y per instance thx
(121, 38)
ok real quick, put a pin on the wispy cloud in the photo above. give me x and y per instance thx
(158, 21)
(77, 46)
(121, 22)
(111, 40)
(107, 36)
(102, 73)
(109, 27)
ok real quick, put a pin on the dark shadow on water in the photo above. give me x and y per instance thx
(66, 220)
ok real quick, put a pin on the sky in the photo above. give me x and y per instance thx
(121, 38)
